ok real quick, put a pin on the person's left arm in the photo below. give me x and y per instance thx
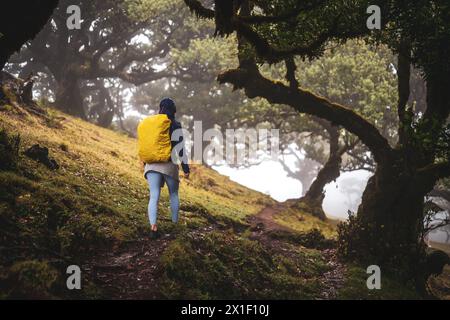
(181, 154)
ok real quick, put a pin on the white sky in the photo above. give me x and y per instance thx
(270, 178)
(267, 177)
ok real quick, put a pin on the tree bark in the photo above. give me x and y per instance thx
(387, 230)
(22, 21)
(313, 198)
(403, 74)
(389, 226)
(68, 96)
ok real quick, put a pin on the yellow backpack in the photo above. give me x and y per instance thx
(154, 139)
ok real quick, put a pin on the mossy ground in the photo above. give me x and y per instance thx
(355, 287)
(97, 201)
(300, 221)
(226, 266)
(98, 196)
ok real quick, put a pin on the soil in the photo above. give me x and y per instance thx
(131, 270)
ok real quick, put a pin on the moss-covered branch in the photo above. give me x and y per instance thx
(304, 101)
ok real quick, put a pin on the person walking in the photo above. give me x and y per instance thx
(159, 172)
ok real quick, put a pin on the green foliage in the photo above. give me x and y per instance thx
(425, 27)
(143, 10)
(357, 75)
(97, 199)
(29, 279)
(359, 240)
(429, 137)
(349, 232)
(312, 239)
(223, 266)
(208, 55)
(355, 287)
(306, 28)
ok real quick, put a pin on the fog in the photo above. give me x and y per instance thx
(341, 196)
(270, 178)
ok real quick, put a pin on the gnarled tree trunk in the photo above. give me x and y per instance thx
(387, 229)
(389, 225)
(313, 198)
(68, 96)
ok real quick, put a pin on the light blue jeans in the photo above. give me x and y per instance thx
(155, 180)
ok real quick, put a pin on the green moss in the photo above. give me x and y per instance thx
(98, 197)
(31, 278)
(355, 287)
(223, 266)
(310, 239)
(298, 220)
(68, 222)
(9, 150)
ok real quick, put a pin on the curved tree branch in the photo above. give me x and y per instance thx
(249, 78)
(441, 193)
(200, 11)
(241, 23)
(435, 171)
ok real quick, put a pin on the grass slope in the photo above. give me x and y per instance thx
(97, 200)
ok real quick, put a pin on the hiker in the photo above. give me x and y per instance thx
(159, 170)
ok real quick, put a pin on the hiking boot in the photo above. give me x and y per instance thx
(154, 235)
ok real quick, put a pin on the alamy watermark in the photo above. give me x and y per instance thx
(374, 20)
(74, 280)
(232, 146)
(74, 20)
(374, 280)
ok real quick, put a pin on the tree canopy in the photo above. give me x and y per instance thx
(392, 209)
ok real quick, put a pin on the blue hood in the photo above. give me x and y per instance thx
(167, 106)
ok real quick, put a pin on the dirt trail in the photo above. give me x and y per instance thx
(130, 270)
(263, 223)
(264, 220)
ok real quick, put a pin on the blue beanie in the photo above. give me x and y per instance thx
(167, 106)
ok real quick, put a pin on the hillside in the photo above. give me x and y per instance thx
(231, 242)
